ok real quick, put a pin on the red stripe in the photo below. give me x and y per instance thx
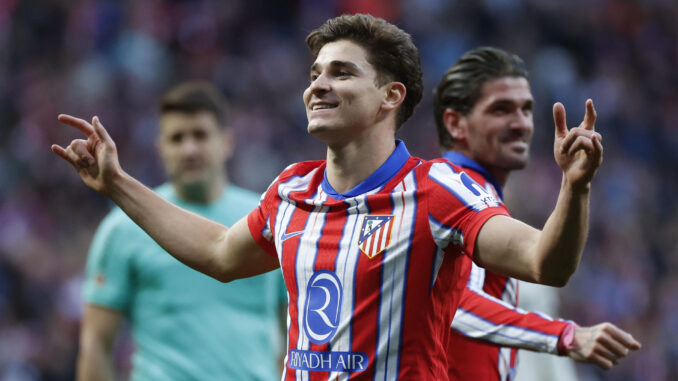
(381, 234)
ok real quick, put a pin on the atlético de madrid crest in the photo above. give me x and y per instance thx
(375, 233)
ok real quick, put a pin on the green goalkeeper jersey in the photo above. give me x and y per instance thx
(186, 325)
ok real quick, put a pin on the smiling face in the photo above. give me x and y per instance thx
(499, 127)
(342, 99)
(193, 148)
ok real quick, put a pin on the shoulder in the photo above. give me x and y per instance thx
(116, 224)
(299, 174)
(302, 169)
(449, 181)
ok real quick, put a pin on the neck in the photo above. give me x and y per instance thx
(499, 174)
(351, 163)
(201, 192)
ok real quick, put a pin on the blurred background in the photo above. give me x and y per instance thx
(114, 58)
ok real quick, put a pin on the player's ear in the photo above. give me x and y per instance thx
(394, 95)
(455, 124)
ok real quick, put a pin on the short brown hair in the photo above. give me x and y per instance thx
(461, 85)
(389, 49)
(195, 96)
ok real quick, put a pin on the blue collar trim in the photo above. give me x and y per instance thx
(381, 176)
(464, 161)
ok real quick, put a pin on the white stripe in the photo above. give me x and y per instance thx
(442, 236)
(393, 286)
(504, 364)
(283, 217)
(510, 292)
(304, 269)
(477, 279)
(347, 261)
(505, 335)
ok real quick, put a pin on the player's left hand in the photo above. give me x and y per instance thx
(578, 151)
(603, 344)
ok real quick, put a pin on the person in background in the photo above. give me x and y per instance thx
(184, 323)
(483, 112)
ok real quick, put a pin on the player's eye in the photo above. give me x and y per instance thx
(200, 135)
(500, 110)
(176, 138)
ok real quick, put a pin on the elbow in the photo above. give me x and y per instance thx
(221, 274)
(554, 277)
(224, 277)
(557, 281)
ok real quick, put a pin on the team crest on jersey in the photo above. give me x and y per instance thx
(375, 233)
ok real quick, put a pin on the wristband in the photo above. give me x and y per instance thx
(566, 340)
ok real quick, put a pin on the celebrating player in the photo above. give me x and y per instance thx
(371, 241)
(181, 320)
(483, 111)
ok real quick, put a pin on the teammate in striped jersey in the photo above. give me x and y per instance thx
(483, 110)
(372, 241)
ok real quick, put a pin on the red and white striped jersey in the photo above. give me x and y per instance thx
(487, 311)
(373, 275)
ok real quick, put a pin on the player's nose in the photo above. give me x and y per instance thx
(522, 123)
(320, 84)
(189, 147)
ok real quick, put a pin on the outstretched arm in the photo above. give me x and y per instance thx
(550, 256)
(223, 253)
(483, 317)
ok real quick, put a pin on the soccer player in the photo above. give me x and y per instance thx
(184, 323)
(483, 111)
(371, 241)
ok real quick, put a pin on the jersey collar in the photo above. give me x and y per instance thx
(383, 174)
(464, 161)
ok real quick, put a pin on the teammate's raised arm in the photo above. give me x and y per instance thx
(204, 245)
(550, 256)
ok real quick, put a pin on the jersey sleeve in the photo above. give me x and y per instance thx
(108, 273)
(259, 221)
(482, 316)
(458, 207)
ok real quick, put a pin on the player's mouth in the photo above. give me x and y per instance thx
(318, 106)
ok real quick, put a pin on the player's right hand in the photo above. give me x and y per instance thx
(603, 344)
(95, 158)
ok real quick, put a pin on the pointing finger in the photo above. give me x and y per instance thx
(78, 123)
(101, 131)
(590, 116)
(559, 119)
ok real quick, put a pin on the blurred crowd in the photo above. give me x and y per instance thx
(114, 58)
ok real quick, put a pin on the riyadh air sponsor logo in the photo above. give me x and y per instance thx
(328, 361)
(323, 306)
(375, 233)
(321, 319)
